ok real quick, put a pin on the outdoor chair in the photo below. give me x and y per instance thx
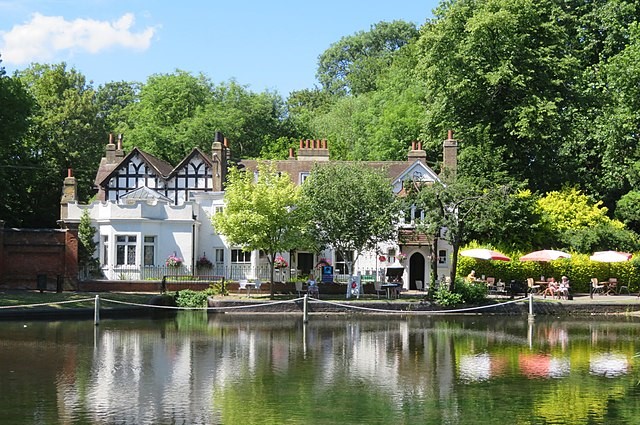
(377, 286)
(299, 288)
(313, 291)
(256, 285)
(612, 286)
(625, 288)
(596, 288)
(419, 285)
(491, 284)
(533, 288)
(242, 285)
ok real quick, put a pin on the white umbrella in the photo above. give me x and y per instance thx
(545, 255)
(611, 256)
(484, 254)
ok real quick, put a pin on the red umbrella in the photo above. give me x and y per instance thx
(611, 256)
(545, 255)
(484, 254)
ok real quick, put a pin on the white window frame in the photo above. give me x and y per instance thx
(154, 250)
(238, 256)
(128, 246)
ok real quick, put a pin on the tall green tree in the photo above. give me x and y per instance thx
(261, 213)
(351, 208)
(500, 73)
(352, 65)
(17, 106)
(463, 207)
(66, 132)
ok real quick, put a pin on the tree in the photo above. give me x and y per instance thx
(353, 64)
(350, 208)
(87, 244)
(66, 132)
(17, 107)
(499, 72)
(262, 213)
(460, 206)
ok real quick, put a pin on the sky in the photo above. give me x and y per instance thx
(266, 45)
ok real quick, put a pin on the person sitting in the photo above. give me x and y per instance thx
(312, 287)
(563, 288)
(471, 276)
(551, 289)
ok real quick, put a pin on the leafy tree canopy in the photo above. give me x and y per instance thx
(350, 207)
(261, 213)
(352, 64)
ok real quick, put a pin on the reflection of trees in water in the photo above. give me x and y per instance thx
(190, 365)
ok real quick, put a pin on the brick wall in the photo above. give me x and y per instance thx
(27, 253)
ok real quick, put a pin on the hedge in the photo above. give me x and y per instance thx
(579, 269)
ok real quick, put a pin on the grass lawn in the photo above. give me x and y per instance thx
(35, 299)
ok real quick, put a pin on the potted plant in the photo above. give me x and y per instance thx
(203, 263)
(173, 261)
(401, 256)
(280, 263)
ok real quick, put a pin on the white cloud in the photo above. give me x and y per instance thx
(44, 36)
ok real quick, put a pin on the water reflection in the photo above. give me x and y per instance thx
(229, 369)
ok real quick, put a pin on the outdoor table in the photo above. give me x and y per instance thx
(388, 287)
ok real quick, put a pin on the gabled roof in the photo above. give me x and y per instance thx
(143, 193)
(107, 171)
(395, 170)
(293, 167)
(194, 152)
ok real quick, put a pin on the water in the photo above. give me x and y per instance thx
(230, 369)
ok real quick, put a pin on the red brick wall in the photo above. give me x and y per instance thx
(27, 253)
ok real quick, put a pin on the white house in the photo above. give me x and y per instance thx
(147, 210)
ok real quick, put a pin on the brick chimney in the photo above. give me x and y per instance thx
(111, 151)
(450, 155)
(219, 155)
(119, 154)
(69, 194)
(417, 153)
(313, 150)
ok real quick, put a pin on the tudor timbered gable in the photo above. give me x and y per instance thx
(139, 169)
(133, 173)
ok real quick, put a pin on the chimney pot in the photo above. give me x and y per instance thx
(290, 152)
(226, 142)
(69, 172)
(119, 141)
(301, 143)
(413, 145)
(419, 146)
(110, 138)
(450, 134)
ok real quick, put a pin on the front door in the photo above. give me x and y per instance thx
(416, 271)
(305, 263)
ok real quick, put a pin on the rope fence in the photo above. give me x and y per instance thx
(305, 300)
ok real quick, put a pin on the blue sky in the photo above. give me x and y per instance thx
(267, 45)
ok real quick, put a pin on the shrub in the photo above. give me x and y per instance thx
(444, 297)
(471, 293)
(191, 299)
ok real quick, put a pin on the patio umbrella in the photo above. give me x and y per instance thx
(545, 255)
(611, 256)
(484, 254)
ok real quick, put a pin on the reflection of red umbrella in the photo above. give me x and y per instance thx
(543, 366)
(534, 365)
(484, 254)
(545, 255)
(611, 256)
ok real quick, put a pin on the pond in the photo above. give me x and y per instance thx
(194, 368)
